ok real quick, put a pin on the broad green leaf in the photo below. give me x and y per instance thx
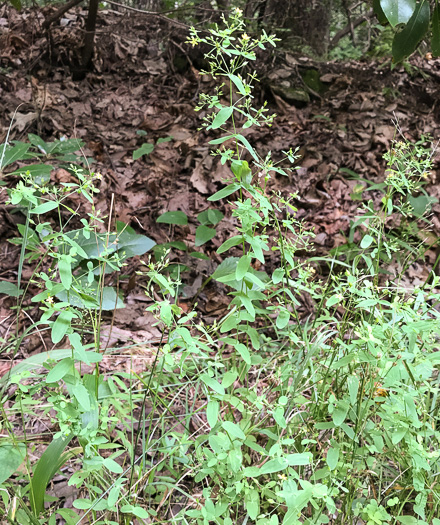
(233, 241)
(173, 217)
(213, 384)
(61, 369)
(221, 140)
(204, 234)
(238, 83)
(112, 466)
(378, 11)
(334, 299)
(65, 269)
(398, 11)
(252, 503)
(240, 168)
(366, 241)
(242, 267)
(233, 430)
(435, 39)
(11, 457)
(353, 388)
(82, 396)
(274, 465)
(61, 325)
(164, 139)
(244, 353)
(212, 411)
(247, 145)
(45, 207)
(283, 318)
(10, 289)
(52, 459)
(137, 511)
(221, 117)
(134, 244)
(229, 378)
(39, 172)
(210, 217)
(16, 4)
(11, 155)
(340, 413)
(224, 192)
(406, 42)
(145, 149)
(299, 459)
(332, 457)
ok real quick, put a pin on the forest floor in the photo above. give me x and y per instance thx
(136, 85)
(145, 79)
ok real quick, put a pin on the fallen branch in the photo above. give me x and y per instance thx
(58, 14)
(340, 34)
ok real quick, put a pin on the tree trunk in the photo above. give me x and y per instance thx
(308, 20)
(80, 72)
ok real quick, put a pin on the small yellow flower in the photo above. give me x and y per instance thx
(245, 37)
(238, 11)
(193, 41)
(49, 300)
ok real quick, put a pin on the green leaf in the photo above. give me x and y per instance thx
(435, 39)
(10, 289)
(332, 457)
(173, 217)
(242, 267)
(210, 217)
(16, 4)
(233, 241)
(204, 234)
(297, 460)
(224, 192)
(45, 207)
(112, 466)
(221, 140)
(61, 325)
(252, 503)
(247, 145)
(65, 269)
(379, 12)
(61, 369)
(406, 42)
(49, 463)
(11, 155)
(243, 351)
(134, 244)
(221, 117)
(39, 172)
(212, 412)
(11, 457)
(233, 430)
(366, 241)
(82, 396)
(145, 149)
(164, 139)
(213, 384)
(340, 413)
(136, 511)
(283, 318)
(238, 83)
(398, 11)
(334, 299)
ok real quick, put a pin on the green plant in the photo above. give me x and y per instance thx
(313, 398)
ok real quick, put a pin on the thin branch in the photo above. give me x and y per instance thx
(340, 34)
